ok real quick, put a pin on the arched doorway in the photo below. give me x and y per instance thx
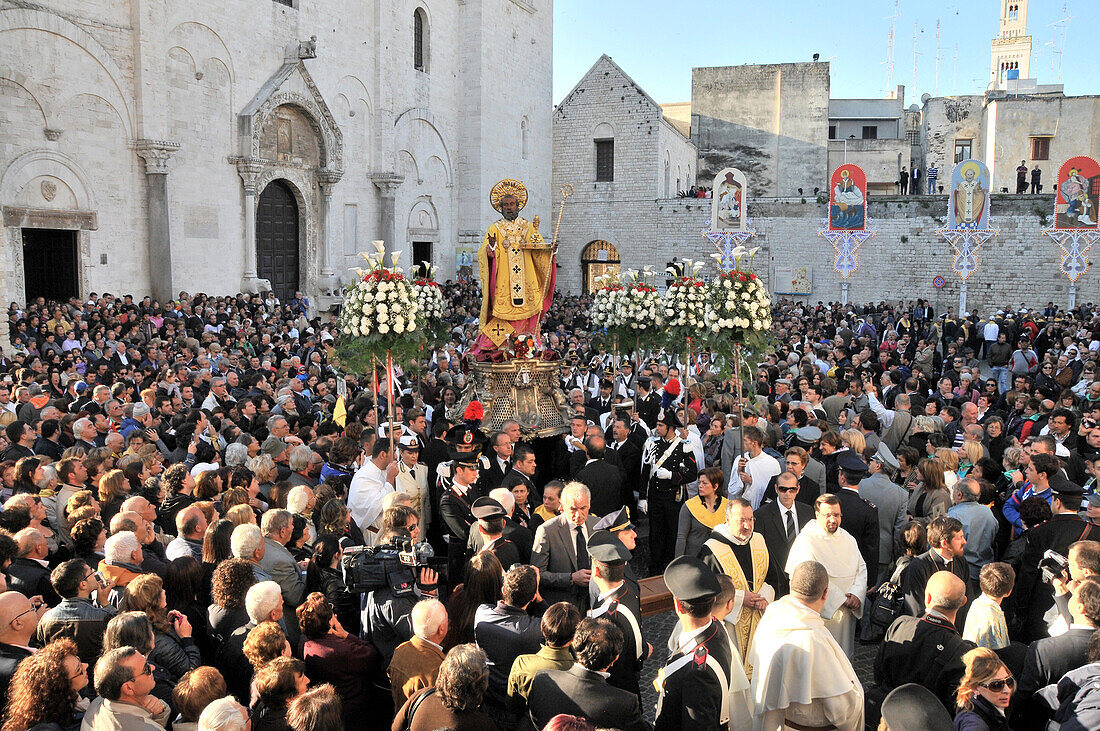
(598, 259)
(277, 239)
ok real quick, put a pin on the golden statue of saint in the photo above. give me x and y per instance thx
(516, 267)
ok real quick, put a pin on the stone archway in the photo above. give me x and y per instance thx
(599, 259)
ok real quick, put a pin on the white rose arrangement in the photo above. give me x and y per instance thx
(381, 312)
(739, 303)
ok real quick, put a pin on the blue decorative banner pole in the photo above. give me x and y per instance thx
(1075, 245)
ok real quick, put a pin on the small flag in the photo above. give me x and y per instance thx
(339, 413)
(1013, 74)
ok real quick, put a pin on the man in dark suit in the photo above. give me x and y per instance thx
(630, 457)
(780, 522)
(495, 463)
(1034, 596)
(560, 552)
(505, 631)
(646, 402)
(567, 446)
(29, 574)
(454, 508)
(860, 516)
(927, 650)
(522, 470)
(605, 481)
(1048, 659)
(582, 690)
(601, 404)
(18, 622)
(946, 552)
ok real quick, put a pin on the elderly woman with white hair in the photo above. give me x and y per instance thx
(224, 714)
(264, 603)
(300, 501)
(121, 562)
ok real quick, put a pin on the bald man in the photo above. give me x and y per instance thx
(190, 530)
(927, 649)
(18, 622)
(154, 550)
(29, 573)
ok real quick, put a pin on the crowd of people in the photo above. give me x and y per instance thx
(206, 525)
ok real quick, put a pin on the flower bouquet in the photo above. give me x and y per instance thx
(429, 297)
(381, 315)
(738, 312)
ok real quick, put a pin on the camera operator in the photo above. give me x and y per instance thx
(1083, 560)
(1035, 597)
(387, 615)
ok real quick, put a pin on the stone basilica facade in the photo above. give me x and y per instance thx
(156, 146)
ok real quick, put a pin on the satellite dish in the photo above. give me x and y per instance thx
(914, 108)
(924, 98)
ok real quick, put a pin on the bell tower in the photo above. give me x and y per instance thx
(1011, 49)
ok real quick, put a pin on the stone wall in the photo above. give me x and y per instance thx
(1020, 265)
(769, 120)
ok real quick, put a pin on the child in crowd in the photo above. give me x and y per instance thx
(985, 622)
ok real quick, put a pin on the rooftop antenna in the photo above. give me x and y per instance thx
(916, 32)
(937, 57)
(890, 50)
(955, 72)
(1059, 43)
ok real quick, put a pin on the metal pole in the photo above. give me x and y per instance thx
(844, 293)
(389, 398)
(962, 298)
(1072, 296)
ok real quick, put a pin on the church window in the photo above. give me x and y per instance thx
(605, 161)
(832, 131)
(668, 177)
(523, 132)
(420, 40)
(1040, 148)
(913, 136)
(963, 150)
(870, 132)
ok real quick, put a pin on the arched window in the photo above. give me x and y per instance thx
(668, 175)
(524, 129)
(420, 40)
(599, 259)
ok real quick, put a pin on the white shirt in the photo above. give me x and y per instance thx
(761, 468)
(783, 517)
(368, 487)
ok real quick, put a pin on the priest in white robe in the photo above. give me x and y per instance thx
(825, 542)
(802, 678)
(368, 488)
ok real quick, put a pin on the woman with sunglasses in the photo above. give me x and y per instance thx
(985, 692)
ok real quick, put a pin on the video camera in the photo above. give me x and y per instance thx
(1053, 565)
(395, 566)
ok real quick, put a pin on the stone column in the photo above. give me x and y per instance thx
(250, 170)
(387, 183)
(157, 155)
(327, 179)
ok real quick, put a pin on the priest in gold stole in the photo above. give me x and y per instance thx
(516, 268)
(736, 550)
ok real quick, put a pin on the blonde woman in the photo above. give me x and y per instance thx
(984, 692)
(854, 440)
(969, 452)
(950, 462)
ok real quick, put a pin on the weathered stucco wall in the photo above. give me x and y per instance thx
(769, 120)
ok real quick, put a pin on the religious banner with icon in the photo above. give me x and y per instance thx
(968, 206)
(1077, 194)
(847, 198)
(729, 194)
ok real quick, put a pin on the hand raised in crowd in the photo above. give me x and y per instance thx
(180, 623)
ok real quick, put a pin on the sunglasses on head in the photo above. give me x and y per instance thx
(998, 685)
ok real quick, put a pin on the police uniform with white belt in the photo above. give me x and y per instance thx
(694, 684)
(621, 605)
